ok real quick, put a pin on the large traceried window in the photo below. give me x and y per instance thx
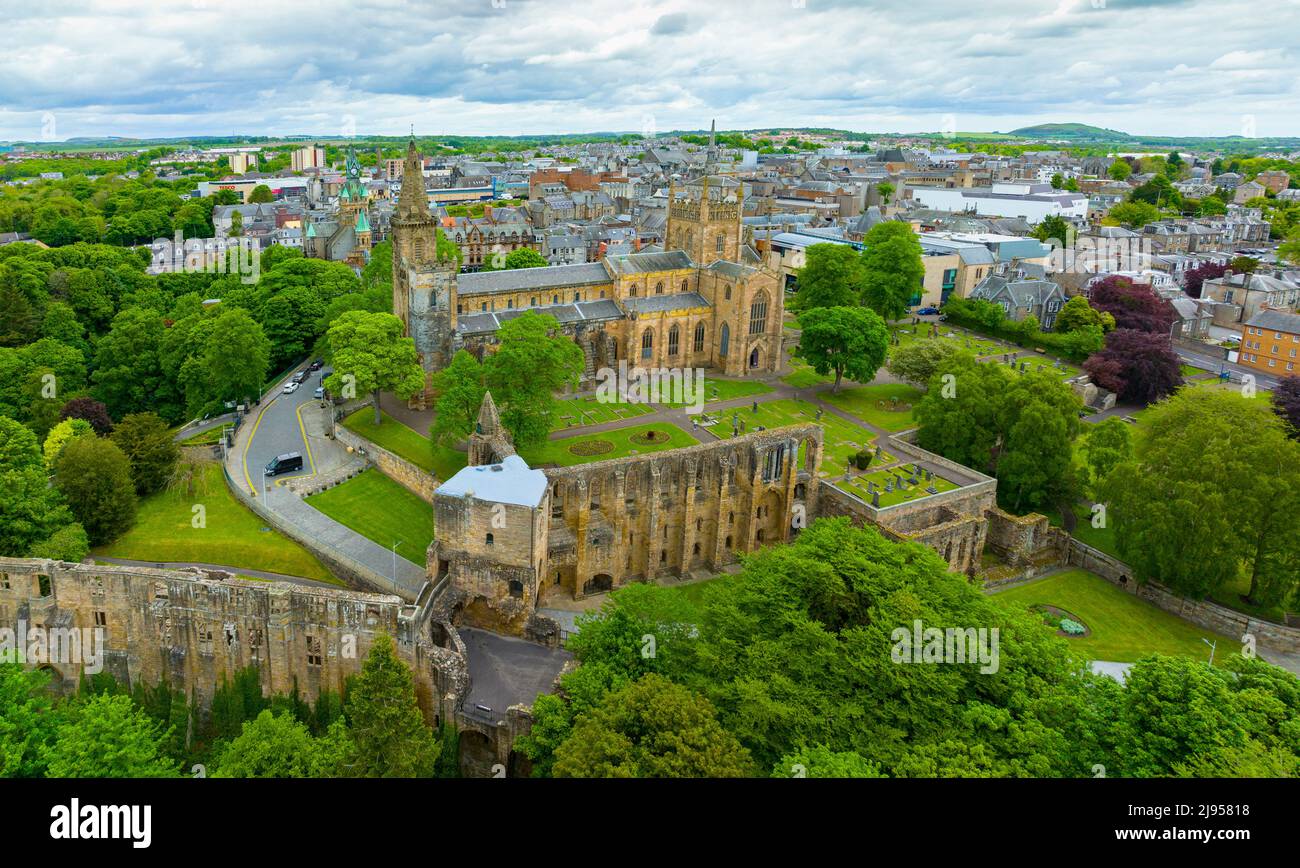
(699, 338)
(724, 340)
(673, 341)
(647, 343)
(758, 315)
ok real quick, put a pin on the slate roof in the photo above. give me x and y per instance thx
(486, 323)
(1276, 320)
(636, 263)
(582, 274)
(660, 303)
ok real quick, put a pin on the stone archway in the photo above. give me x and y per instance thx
(598, 583)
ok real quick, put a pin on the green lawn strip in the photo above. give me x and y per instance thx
(231, 536)
(1065, 369)
(382, 511)
(441, 461)
(873, 404)
(1124, 627)
(1230, 595)
(620, 441)
(206, 438)
(858, 487)
(803, 376)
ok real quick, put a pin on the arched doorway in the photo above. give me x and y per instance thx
(598, 583)
(754, 357)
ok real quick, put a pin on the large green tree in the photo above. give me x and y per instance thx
(533, 362)
(94, 476)
(850, 341)
(147, 443)
(372, 355)
(388, 735)
(107, 736)
(831, 276)
(893, 272)
(459, 388)
(270, 746)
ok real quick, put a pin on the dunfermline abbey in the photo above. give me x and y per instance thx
(705, 302)
(511, 540)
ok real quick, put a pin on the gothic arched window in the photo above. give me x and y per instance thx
(647, 343)
(699, 338)
(673, 337)
(758, 314)
(727, 292)
(686, 287)
(659, 288)
(718, 242)
(724, 340)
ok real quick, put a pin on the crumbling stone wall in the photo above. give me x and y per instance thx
(189, 627)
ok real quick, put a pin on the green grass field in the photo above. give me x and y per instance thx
(842, 438)
(1100, 538)
(716, 389)
(1034, 362)
(802, 376)
(207, 438)
(381, 510)
(441, 461)
(1124, 628)
(574, 412)
(231, 536)
(873, 404)
(621, 444)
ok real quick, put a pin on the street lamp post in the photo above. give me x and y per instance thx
(395, 545)
(1212, 645)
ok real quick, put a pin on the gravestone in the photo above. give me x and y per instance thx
(929, 474)
(932, 490)
(889, 485)
(875, 499)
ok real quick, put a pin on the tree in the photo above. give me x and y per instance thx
(261, 194)
(893, 272)
(820, 761)
(846, 340)
(91, 411)
(128, 376)
(1289, 250)
(1134, 215)
(1053, 227)
(534, 361)
(1193, 530)
(371, 355)
(918, 361)
(886, 191)
(651, 728)
(1108, 444)
(1140, 367)
(94, 477)
(1243, 264)
(61, 435)
(1119, 170)
(523, 257)
(830, 277)
(236, 357)
(459, 389)
(388, 735)
(68, 543)
(1058, 181)
(1077, 313)
(1194, 278)
(148, 445)
(28, 720)
(107, 736)
(30, 510)
(1286, 402)
(1133, 305)
(270, 746)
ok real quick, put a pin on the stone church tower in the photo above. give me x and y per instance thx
(704, 219)
(424, 286)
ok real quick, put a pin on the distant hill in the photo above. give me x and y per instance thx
(1082, 132)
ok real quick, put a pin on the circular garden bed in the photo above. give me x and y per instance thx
(591, 447)
(1067, 624)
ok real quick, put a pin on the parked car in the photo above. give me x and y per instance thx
(301, 376)
(290, 388)
(286, 463)
(320, 392)
(316, 365)
(928, 311)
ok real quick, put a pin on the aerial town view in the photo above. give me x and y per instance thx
(651, 389)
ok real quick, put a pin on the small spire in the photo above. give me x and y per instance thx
(489, 421)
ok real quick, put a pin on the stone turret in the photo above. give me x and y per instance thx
(490, 442)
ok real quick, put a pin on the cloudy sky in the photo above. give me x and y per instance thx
(330, 67)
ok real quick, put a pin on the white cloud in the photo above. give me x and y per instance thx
(538, 66)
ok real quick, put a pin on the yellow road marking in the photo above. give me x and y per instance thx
(302, 429)
(251, 434)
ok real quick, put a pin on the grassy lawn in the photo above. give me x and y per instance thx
(232, 536)
(381, 510)
(803, 376)
(615, 444)
(208, 438)
(1034, 362)
(873, 404)
(1124, 628)
(716, 389)
(1231, 594)
(857, 486)
(441, 461)
(573, 412)
(1100, 538)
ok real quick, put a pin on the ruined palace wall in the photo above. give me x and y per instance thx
(191, 627)
(627, 519)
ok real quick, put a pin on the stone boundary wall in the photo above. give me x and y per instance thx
(1203, 613)
(416, 479)
(305, 486)
(352, 571)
